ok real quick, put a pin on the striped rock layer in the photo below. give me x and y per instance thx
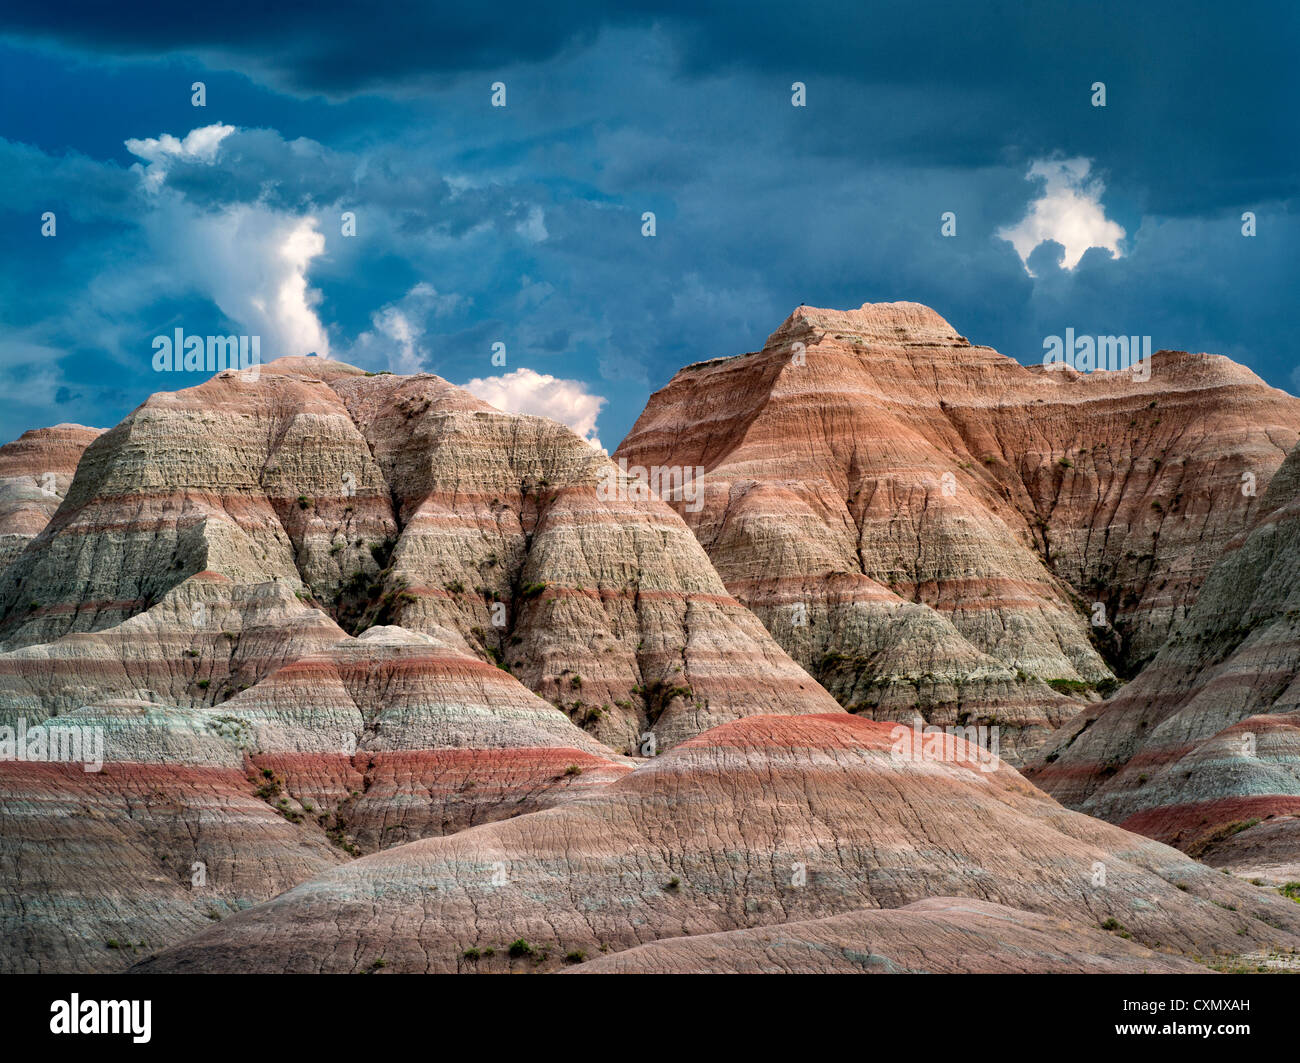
(370, 742)
(1202, 750)
(35, 471)
(767, 821)
(929, 526)
(99, 868)
(315, 614)
(397, 735)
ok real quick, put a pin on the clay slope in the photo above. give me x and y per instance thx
(1203, 749)
(335, 615)
(398, 735)
(35, 471)
(926, 525)
(97, 868)
(765, 821)
(370, 742)
(943, 935)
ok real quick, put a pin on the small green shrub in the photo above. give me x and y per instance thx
(1069, 686)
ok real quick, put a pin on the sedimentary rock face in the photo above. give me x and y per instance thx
(942, 935)
(99, 868)
(929, 526)
(764, 822)
(1201, 750)
(389, 499)
(368, 743)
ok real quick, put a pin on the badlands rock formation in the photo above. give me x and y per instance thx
(35, 471)
(399, 499)
(930, 526)
(389, 679)
(445, 740)
(766, 821)
(220, 594)
(1202, 750)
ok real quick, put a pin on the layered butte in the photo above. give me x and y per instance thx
(312, 613)
(384, 499)
(1203, 749)
(930, 527)
(766, 822)
(35, 471)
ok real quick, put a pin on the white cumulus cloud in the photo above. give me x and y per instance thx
(252, 262)
(198, 145)
(1069, 211)
(526, 391)
(250, 259)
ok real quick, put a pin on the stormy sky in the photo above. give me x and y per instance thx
(523, 225)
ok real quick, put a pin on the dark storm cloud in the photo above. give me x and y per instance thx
(523, 225)
(1192, 86)
(326, 47)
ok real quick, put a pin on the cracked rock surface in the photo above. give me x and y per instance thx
(765, 821)
(942, 935)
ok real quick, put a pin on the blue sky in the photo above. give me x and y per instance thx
(522, 224)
